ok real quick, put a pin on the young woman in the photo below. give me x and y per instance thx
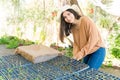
(87, 40)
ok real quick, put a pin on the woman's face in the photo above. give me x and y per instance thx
(69, 17)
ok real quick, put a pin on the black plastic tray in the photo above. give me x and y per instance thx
(90, 74)
(19, 68)
(13, 61)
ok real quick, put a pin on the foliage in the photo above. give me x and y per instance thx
(105, 22)
(115, 46)
(114, 40)
(68, 51)
(14, 42)
(55, 46)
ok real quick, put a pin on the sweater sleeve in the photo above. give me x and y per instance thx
(75, 49)
(92, 34)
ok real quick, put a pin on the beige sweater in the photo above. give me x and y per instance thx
(86, 37)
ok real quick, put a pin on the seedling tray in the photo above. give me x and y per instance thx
(40, 71)
(32, 72)
(13, 61)
(3, 63)
(21, 69)
(66, 64)
(20, 73)
(90, 74)
(48, 72)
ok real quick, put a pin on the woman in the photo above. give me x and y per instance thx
(87, 40)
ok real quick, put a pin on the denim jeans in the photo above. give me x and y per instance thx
(95, 59)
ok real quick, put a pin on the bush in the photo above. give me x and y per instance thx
(13, 42)
(115, 42)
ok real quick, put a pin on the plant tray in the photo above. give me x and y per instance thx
(89, 74)
(3, 63)
(49, 70)
(32, 72)
(66, 64)
(13, 61)
(20, 73)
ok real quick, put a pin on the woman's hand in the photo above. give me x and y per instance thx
(77, 56)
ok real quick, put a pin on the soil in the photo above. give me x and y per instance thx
(110, 70)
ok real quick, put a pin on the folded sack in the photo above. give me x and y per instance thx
(37, 53)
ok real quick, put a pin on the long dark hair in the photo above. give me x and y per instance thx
(64, 26)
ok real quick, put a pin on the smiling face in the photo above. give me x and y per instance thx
(68, 17)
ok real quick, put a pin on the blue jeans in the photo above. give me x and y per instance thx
(95, 59)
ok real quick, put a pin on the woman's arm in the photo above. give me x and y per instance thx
(93, 37)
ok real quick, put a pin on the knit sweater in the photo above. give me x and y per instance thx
(87, 38)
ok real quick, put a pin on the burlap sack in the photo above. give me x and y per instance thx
(37, 53)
